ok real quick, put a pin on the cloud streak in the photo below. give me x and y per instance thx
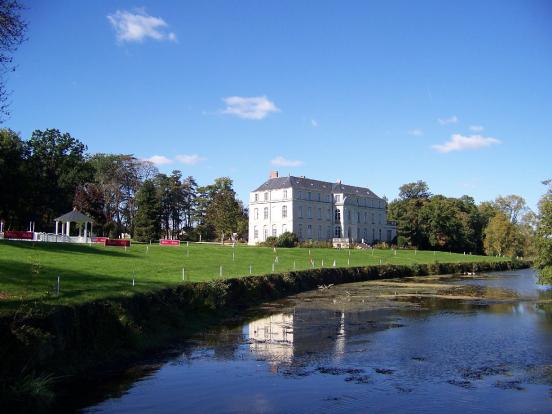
(460, 142)
(450, 120)
(280, 161)
(476, 128)
(159, 160)
(134, 27)
(254, 107)
(192, 159)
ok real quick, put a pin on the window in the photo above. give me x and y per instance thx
(328, 197)
(373, 219)
(365, 233)
(256, 214)
(380, 218)
(318, 196)
(388, 235)
(337, 198)
(358, 216)
(348, 216)
(301, 211)
(358, 233)
(379, 235)
(309, 196)
(319, 232)
(266, 213)
(329, 232)
(255, 232)
(373, 234)
(309, 232)
(337, 232)
(285, 194)
(284, 228)
(329, 214)
(256, 196)
(300, 231)
(274, 231)
(300, 195)
(365, 218)
(319, 213)
(266, 196)
(309, 212)
(337, 215)
(265, 232)
(284, 211)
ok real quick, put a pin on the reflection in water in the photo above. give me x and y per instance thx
(456, 344)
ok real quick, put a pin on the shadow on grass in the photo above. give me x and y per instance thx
(65, 248)
(19, 288)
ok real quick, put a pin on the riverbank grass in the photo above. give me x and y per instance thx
(29, 271)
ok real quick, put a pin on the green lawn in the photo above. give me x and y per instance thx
(29, 271)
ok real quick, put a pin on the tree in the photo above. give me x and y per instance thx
(14, 182)
(543, 236)
(119, 177)
(502, 237)
(12, 34)
(513, 206)
(90, 200)
(57, 165)
(147, 222)
(419, 189)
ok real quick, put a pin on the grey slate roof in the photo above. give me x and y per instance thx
(75, 217)
(309, 184)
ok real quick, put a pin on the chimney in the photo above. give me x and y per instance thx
(338, 181)
(273, 174)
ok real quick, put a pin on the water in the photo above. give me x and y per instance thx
(431, 345)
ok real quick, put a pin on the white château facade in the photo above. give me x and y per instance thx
(317, 210)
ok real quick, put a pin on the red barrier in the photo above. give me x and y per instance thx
(18, 235)
(167, 242)
(99, 240)
(117, 242)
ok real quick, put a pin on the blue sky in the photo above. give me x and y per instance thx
(373, 93)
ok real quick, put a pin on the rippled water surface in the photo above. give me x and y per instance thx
(441, 344)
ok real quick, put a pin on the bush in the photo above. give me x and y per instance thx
(270, 241)
(287, 239)
(316, 244)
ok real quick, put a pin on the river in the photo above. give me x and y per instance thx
(453, 344)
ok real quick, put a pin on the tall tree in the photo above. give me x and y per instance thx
(418, 189)
(502, 237)
(58, 165)
(544, 235)
(513, 206)
(147, 223)
(12, 34)
(14, 182)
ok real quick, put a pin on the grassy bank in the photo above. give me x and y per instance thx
(29, 271)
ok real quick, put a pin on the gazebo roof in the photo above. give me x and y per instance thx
(75, 217)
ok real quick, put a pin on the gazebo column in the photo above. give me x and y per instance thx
(85, 232)
(57, 222)
(68, 229)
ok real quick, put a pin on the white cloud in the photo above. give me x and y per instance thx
(314, 123)
(254, 107)
(476, 128)
(192, 159)
(159, 160)
(416, 132)
(138, 25)
(450, 120)
(460, 143)
(284, 162)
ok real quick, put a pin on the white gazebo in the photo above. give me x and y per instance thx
(77, 217)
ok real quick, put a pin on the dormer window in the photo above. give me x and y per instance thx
(266, 196)
(256, 196)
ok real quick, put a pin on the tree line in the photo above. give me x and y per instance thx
(52, 172)
(502, 227)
